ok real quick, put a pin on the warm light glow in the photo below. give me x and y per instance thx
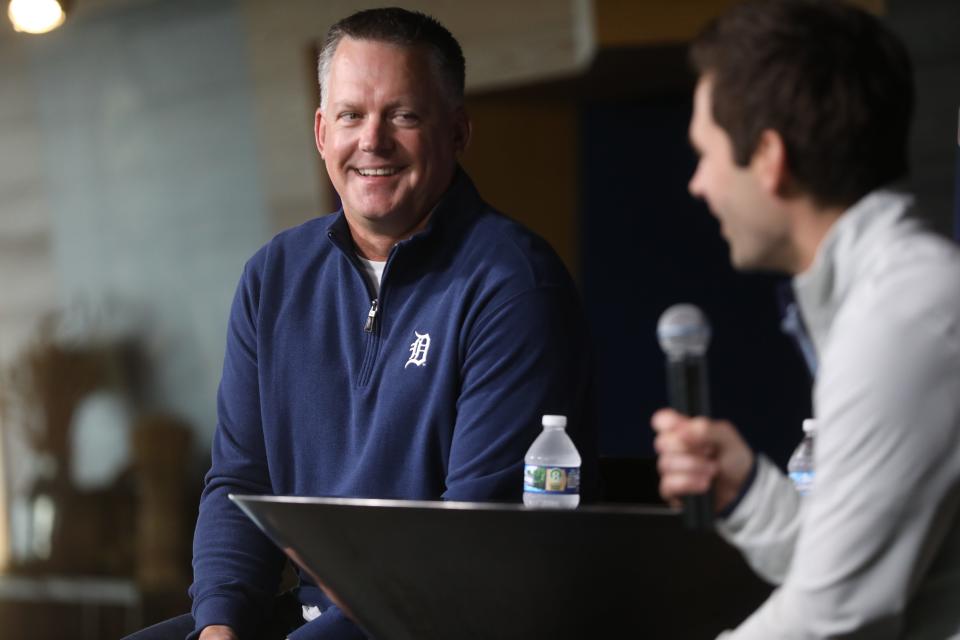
(35, 16)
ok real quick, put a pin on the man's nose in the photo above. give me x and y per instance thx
(375, 136)
(694, 185)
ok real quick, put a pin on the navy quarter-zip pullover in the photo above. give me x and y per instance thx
(432, 389)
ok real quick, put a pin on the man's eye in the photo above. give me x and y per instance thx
(406, 117)
(349, 116)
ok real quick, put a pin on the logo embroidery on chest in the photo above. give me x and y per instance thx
(418, 350)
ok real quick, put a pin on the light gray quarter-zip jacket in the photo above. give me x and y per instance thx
(874, 550)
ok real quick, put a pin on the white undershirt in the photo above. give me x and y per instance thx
(374, 271)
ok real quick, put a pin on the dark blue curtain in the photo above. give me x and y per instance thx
(647, 244)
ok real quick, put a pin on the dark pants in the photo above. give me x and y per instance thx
(287, 616)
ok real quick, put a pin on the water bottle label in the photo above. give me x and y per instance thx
(802, 480)
(552, 480)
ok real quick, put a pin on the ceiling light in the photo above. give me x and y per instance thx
(36, 16)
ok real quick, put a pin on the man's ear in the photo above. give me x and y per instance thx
(463, 129)
(319, 129)
(769, 162)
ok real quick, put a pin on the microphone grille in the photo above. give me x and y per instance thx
(683, 331)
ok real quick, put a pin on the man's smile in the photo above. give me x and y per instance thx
(372, 172)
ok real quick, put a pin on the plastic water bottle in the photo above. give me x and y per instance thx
(551, 475)
(800, 466)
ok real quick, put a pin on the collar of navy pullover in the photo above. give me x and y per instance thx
(456, 207)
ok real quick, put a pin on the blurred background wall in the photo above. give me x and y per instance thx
(148, 147)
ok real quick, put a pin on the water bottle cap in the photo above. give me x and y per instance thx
(809, 425)
(554, 421)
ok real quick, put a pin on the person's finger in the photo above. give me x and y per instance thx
(679, 441)
(684, 474)
(686, 463)
(666, 419)
(676, 485)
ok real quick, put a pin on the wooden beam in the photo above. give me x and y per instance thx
(624, 23)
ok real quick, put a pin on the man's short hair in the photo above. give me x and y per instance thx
(403, 28)
(828, 77)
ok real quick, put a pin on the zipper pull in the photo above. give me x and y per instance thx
(371, 316)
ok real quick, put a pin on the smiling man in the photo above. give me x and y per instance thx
(801, 119)
(403, 347)
(389, 130)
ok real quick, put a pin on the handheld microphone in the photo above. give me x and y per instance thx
(684, 335)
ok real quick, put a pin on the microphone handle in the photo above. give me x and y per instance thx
(688, 390)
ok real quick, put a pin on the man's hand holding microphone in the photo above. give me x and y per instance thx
(703, 463)
(697, 454)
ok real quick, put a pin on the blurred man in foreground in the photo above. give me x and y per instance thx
(801, 118)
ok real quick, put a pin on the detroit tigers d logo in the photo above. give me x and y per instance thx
(418, 350)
